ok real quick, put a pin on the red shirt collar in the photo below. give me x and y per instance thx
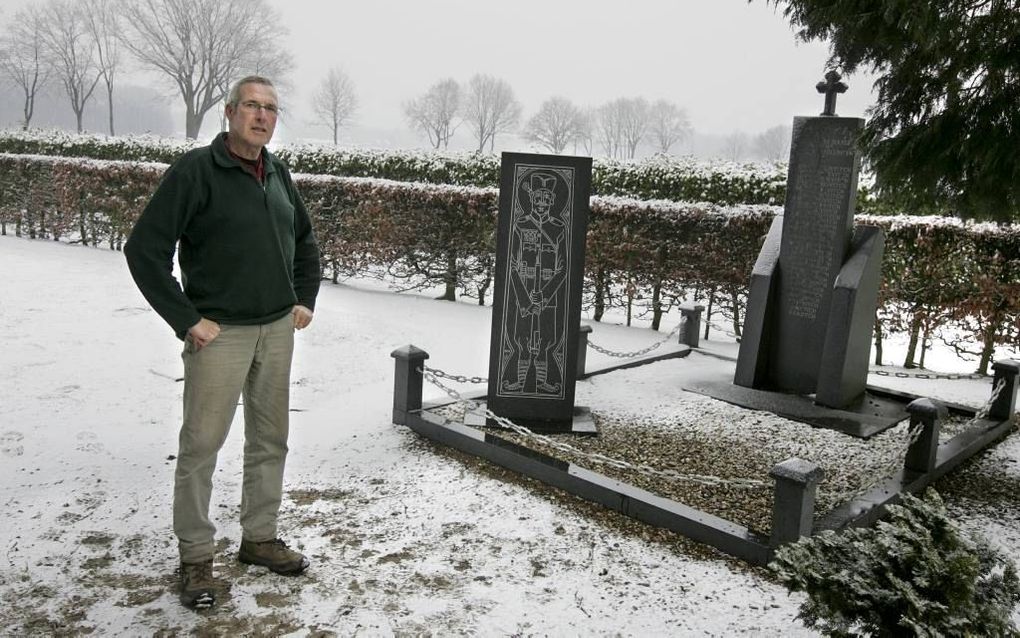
(255, 167)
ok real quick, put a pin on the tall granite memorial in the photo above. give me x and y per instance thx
(814, 287)
(540, 242)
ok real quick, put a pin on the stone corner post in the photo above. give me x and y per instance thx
(582, 349)
(793, 508)
(690, 315)
(928, 415)
(1007, 370)
(407, 381)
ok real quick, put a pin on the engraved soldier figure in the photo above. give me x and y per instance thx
(537, 273)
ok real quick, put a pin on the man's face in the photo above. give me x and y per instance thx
(250, 125)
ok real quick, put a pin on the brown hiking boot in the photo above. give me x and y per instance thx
(198, 587)
(273, 554)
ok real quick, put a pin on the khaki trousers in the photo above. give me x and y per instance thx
(253, 361)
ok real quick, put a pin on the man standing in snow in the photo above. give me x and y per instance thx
(250, 274)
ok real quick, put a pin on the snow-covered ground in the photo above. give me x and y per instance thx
(406, 538)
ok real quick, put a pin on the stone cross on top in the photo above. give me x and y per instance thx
(831, 87)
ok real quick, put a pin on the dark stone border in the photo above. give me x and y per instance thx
(795, 480)
(592, 486)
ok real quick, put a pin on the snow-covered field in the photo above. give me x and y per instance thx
(405, 538)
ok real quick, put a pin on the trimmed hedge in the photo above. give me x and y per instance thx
(642, 255)
(659, 177)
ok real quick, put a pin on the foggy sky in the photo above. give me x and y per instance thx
(734, 66)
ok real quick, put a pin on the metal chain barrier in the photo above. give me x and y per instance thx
(600, 459)
(926, 375)
(728, 333)
(986, 408)
(636, 353)
(896, 461)
(456, 377)
(885, 470)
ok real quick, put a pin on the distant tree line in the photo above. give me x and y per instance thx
(198, 47)
(487, 107)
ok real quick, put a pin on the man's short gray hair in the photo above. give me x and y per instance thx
(235, 91)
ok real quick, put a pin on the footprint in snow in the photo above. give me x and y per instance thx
(10, 443)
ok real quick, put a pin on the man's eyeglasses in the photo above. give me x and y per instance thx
(253, 107)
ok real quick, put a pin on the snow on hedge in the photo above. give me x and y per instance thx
(657, 177)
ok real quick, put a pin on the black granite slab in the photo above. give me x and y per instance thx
(873, 412)
(756, 340)
(540, 243)
(817, 224)
(843, 373)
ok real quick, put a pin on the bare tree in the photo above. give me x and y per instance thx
(556, 124)
(201, 46)
(102, 19)
(434, 112)
(23, 58)
(490, 108)
(773, 144)
(586, 124)
(668, 124)
(735, 145)
(609, 127)
(634, 123)
(335, 101)
(71, 52)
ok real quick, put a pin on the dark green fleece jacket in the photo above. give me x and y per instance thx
(247, 251)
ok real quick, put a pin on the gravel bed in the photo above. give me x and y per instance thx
(703, 437)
